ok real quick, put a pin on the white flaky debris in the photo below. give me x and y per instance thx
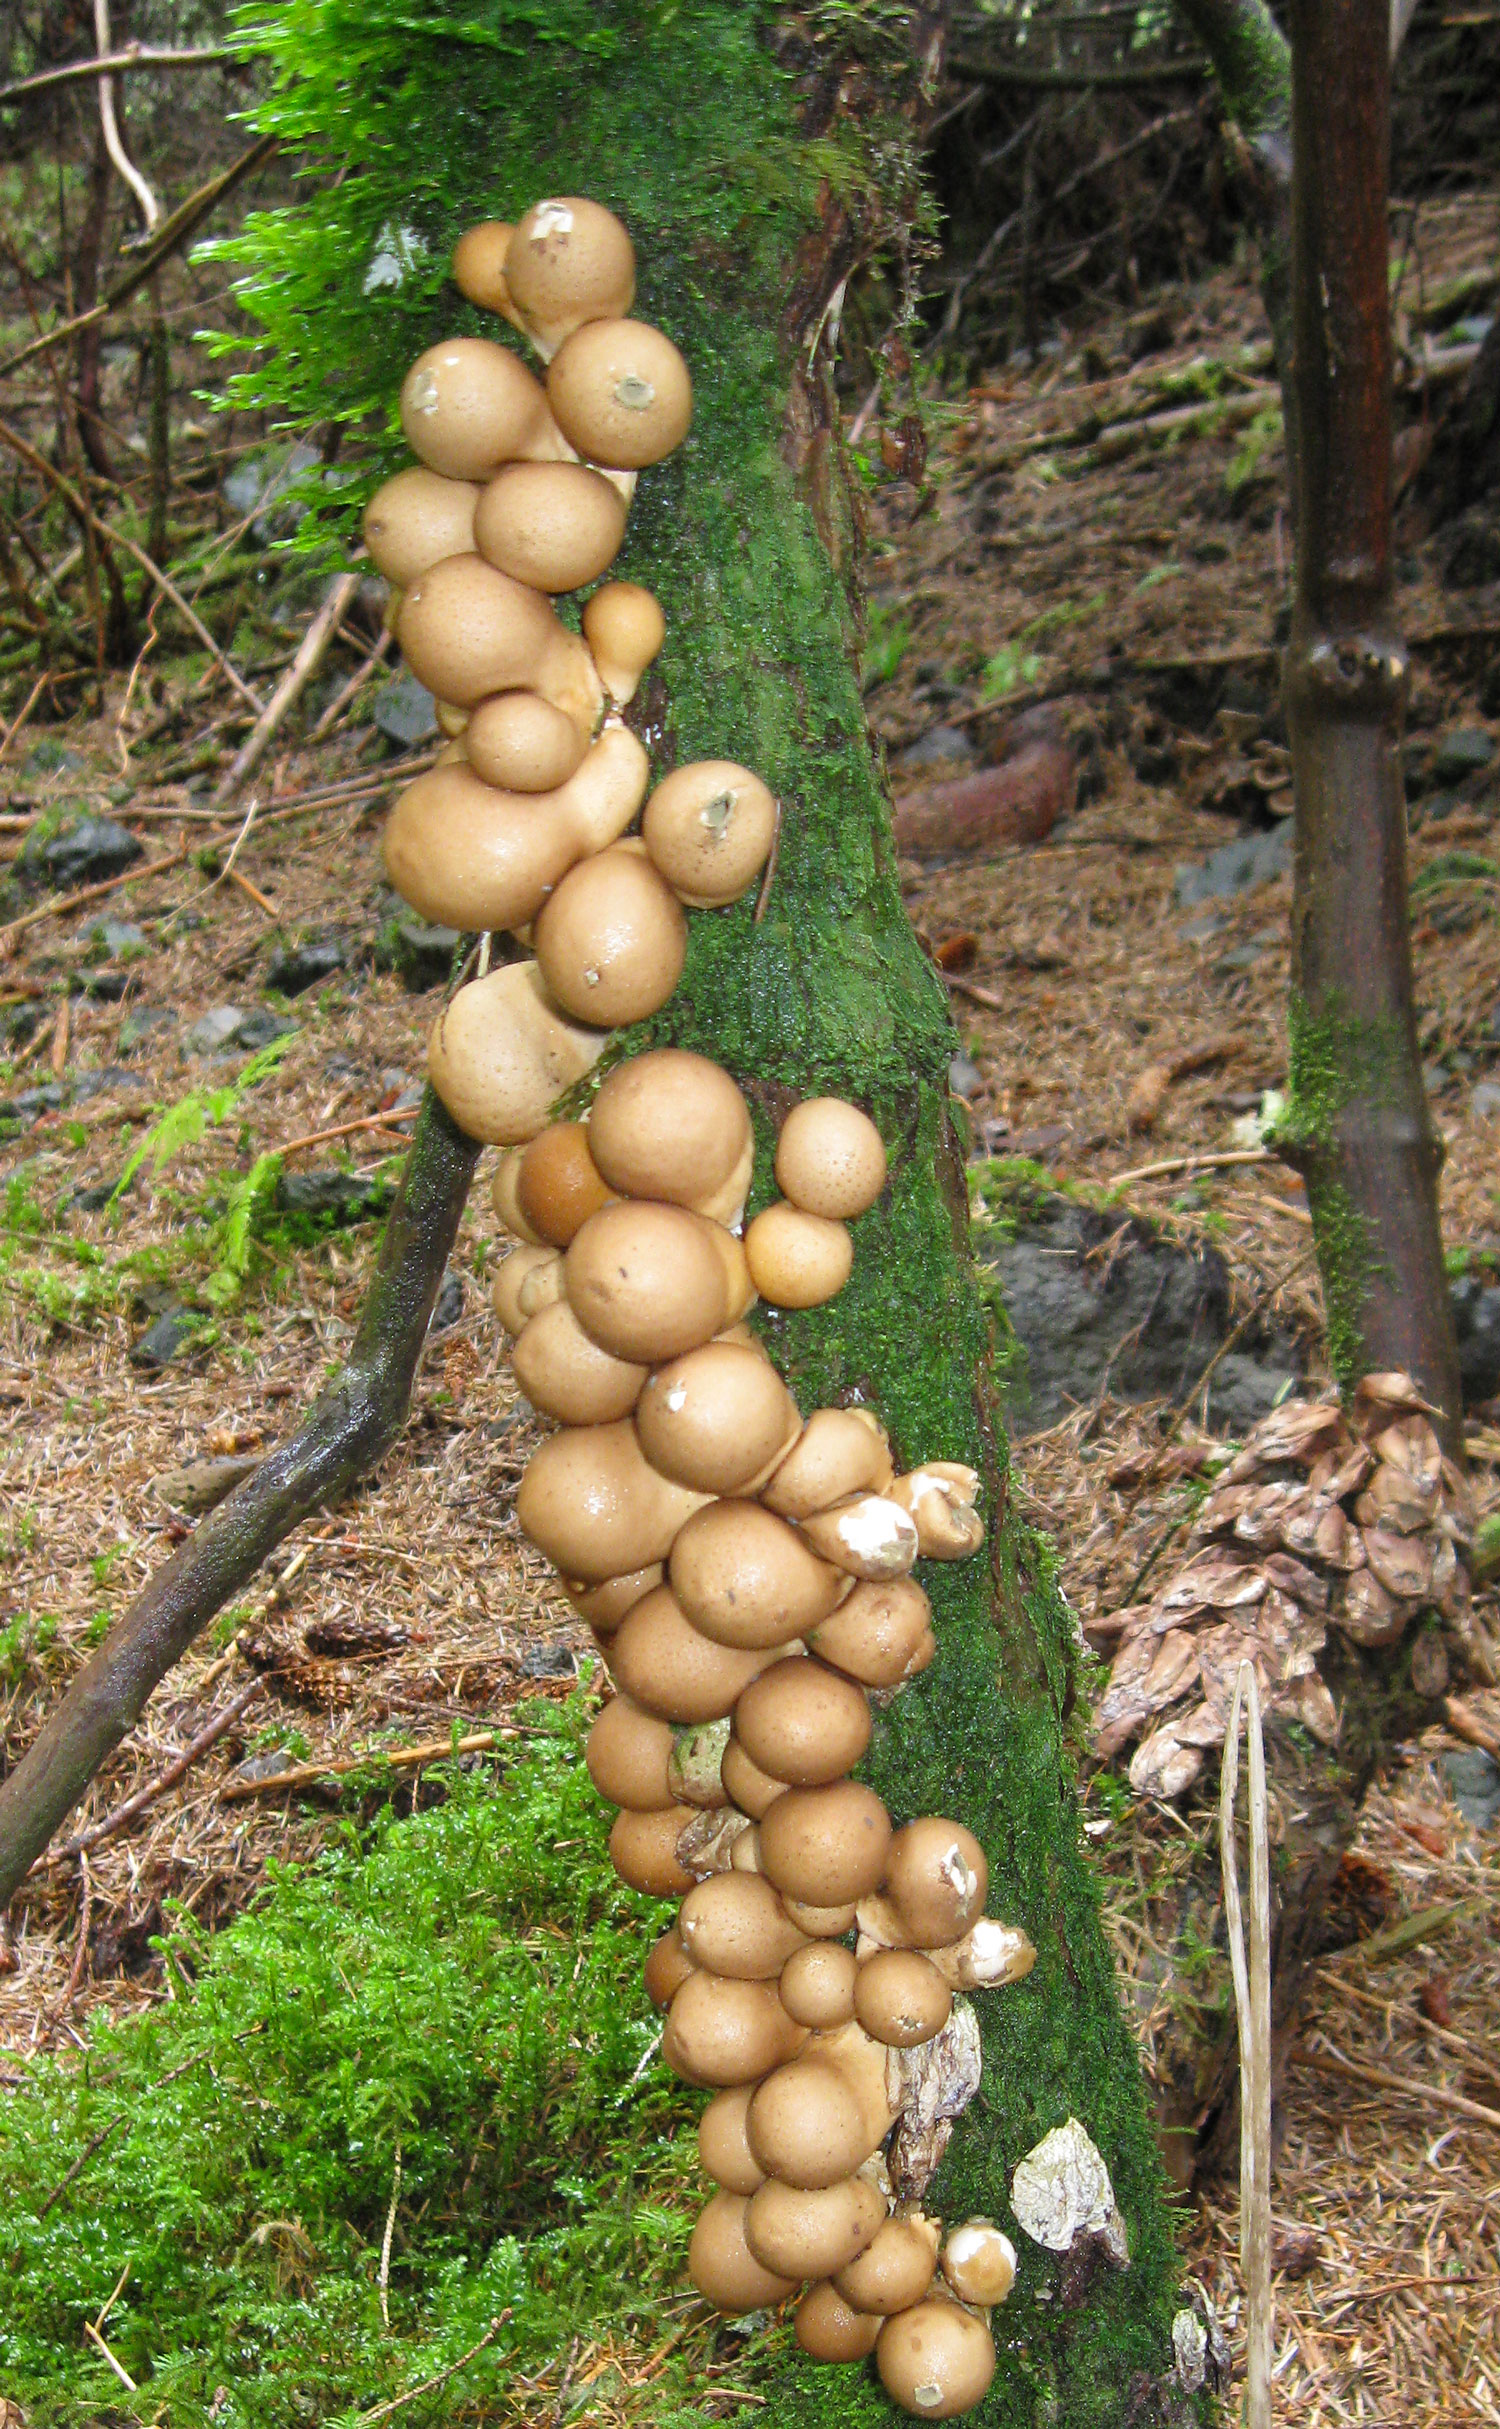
(876, 1530)
(398, 251)
(1190, 2346)
(551, 218)
(677, 1398)
(1061, 2189)
(929, 2086)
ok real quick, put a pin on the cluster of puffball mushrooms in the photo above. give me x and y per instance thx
(746, 1572)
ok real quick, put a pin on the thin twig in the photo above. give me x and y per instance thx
(344, 1130)
(1188, 1163)
(110, 127)
(385, 2244)
(164, 1780)
(1326, 2059)
(1252, 2000)
(134, 55)
(356, 683)
(294, 682)
(398, 2403)
(400, 1758)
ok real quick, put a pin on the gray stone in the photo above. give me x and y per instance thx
(1473, 1779)
(49, 757)
(297, 967)
(450, 1303)
(1198, 931)
(546, 1661)
(117, 936)
(336, 1198)
(258, 486)
(939, 745)
(422, 955)
(1462, 753)
(1239, 867)
(215, 1029)
(1476, 1323)
(1484, 1102)
(147, 1020)
(964, 1077)
(173, 1331)
(405, 711)
(95, 848)
(259, 1029)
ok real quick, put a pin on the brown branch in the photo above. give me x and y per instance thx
(293, 684)
(134, 55)
(351, 1426)
(175, 1770)
(1006, 73)
(393, 1758)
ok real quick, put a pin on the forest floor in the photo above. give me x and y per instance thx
(1130, 588)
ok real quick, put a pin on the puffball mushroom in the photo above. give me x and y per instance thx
(589, 1500)
(709, 828)
(568, 261)
(817, 1983)
(940, 1497)
(466, 630)
(479, 269)
(512, 1273)
(826, 1845)
(606, 1606)
(658, 1658)
(868, 1537)
(669, 1125)
(806, 2125)
(722, 2145)
(624, 628)
(735, 1924)
(803, 1723)
(935, 2359)
(567, 1376)
(627, 1755)
(646, 1281)
(830, 2330)
(811, 2232)
(936, 1879)
(722, 2266)
(979, 2262)
(468, 406)
(521, 743)
(839, 1452)
(746, 1578)
(717, 1418)
(880, 1634)
(643, 1850)
(665, 1970)
(620, 393)
(501, 1054)
(417, 518)
(748, 1785)
(554, 526)
(722, 2031)
(896, 2269)
(830, 1159)
(469, 857)
(819, 1922)
(557, 1183)
(796, 1259)
(900, 1997)
(611, 939)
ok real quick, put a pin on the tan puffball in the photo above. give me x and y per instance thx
(620, 393)
(669, 1125)
(896, 2269)
(830, 2330)
(750, 1787)
(819, 1922)
(600, 799)
(817, 1985)
(554, 526)
(643, 1850)
(557, 1185)
(936, 1879)
(803, 1723)
(796, 1259)
(568, 261)
(568, 679)
(627, 1754)
(521, 743)
(722, 2266)
(665, 1970)
(611, 939)
(658, 1658)
(467, 630)
(900, 1997)
(746, 1578)
(936, 2359)
(607, 1605)
(507, 1205)
(468, 406)
(511, 1274)
(479, 269)
(806, 2125)
(825, 1844)
(725, 2153)
(416, 519)
(716, 1418)
(868, 1537)
(709, 828)
(591, 1503)
(721, 2030)
(624, 628)
(468, 857)
(941, 1497)
(880, 1634)
(830, 1159)
(812, 2232)
(646, 1281)
(839, 1451)
(979, 2262)
(501, 1055)
(735, 1924)
(567, 1376)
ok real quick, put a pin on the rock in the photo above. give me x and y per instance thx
(1141, 1322)
(203, 1485)
(337, 1198)
(146, 1020)
(1474, 1784)
(1240, 867)
(258, 485)
(450, 1303)
(422, 956)
(934, 748)
(215, 1029)
(96, 848)
(297, 967)
(964, 1077)
(1476, 1322)
(172, 1331)
(32, 1102)
(405, 711)
(1484, 1102)
(1462, 753)
(259, 1029)
(116, 936)
(547, 1661)
(1019, 801)
(93, 1200)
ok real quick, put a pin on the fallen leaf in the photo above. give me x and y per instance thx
(1435, 1997)
(1020, 801)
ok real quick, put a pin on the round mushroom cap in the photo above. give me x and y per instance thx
(611, 940)
(605, 1606)
(590, 1502)
(746, 1578)
(668, 1125)
(554, 526)
(869, 1536)
(895, 2270)
(646, 1282)
(880, 1634)
(812, 2232)
(721, 2030)
(521, 743)
(722, 2266)
(569, 261)
(817, 1985)
(468, 406)
(665, 1970)
(722, 2146)
(620, 393)
(826, 1845)
(416, 519)
(801, 1722)
(747, 1784)
(567, 1376)
(830, 1159)
(467, 630)
(840, 1451)
(937, 1880)
(734, 1923)
(716, 1418)
(557, 1182)
(643, 1849)
(501, 1055)
(627, 1755)
(479, 265)
(828, 2330)
(607, 788)
(511, 1274)
(936, 2359)
(468, 857)
(797, 1259)
(709, 828)
(624, 628)
(901, 1998)
(806, 2125)
(819, 1922)
(979, 2262)
(659, 1659)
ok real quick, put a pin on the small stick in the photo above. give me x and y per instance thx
(118, 2367)
(1466, 1723)
(356, 683)
(254, 892)
(1329, 2060)
(398, 2403)
(1252, 2000)
(343, 1130)
(1189, 1163)
(61, 1028)
(164, 1780)
(32, 697)
(294, 682)
(976, 995)
(404, 1758)
(385, 2244)
(75, 901)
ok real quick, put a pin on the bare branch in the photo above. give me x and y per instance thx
(113, 141)
(134, 55)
